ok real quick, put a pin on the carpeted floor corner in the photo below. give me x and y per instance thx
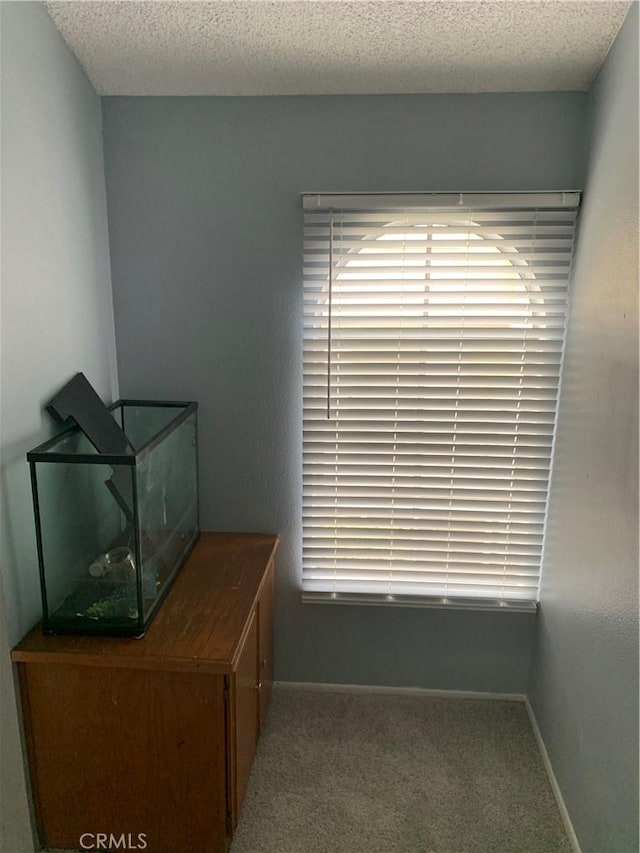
(354, 773)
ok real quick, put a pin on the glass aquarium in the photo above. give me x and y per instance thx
(113, 530)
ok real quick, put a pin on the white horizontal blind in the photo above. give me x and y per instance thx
(432, 348)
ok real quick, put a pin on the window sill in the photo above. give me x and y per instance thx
(380, 600)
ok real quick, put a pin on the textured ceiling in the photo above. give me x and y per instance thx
(258, 47)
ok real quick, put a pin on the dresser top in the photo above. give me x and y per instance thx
(201, 624)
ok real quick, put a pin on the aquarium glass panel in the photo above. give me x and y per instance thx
(143, 423)
(82, 523)
(167, 502)
(73, 442)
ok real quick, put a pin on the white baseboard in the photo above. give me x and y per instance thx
(564, 814)
(320, 687)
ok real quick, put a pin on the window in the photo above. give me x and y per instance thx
(433, 338)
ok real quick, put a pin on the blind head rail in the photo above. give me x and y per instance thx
(382, 201)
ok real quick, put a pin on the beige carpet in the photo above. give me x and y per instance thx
(349, 773)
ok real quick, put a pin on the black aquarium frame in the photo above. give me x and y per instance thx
(41, 453)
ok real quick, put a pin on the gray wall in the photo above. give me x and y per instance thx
(206, 252)
(585, 669)
(57, 313)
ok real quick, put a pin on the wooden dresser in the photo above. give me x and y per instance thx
(155, 737)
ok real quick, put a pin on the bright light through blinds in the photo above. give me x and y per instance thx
(433, 343)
